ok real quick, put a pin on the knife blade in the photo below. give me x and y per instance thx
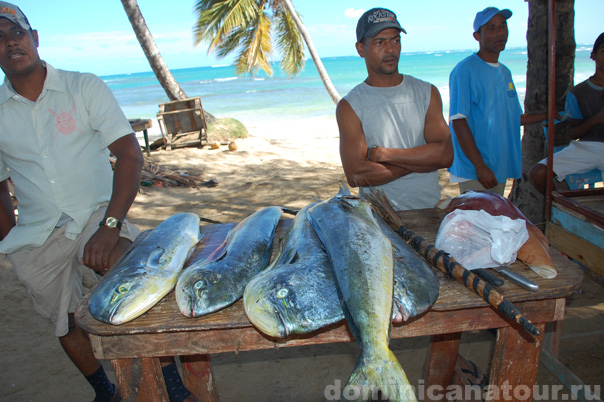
(517, 278)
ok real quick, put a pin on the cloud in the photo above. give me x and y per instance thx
(352, 13)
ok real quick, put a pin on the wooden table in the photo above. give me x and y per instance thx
(134, 347)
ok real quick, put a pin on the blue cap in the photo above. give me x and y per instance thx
(14, 14)
(484, 16)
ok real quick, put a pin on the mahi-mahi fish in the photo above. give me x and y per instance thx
(218, 281)
(147, 273)
(297, 293)
(362, 261)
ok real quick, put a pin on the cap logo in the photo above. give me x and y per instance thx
(381, 16)
(6, 10)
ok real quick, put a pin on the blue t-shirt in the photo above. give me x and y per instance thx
(487, 97)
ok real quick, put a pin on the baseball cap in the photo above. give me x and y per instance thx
(598, 42)
(14, 14)
(484, 16)
(375, 21)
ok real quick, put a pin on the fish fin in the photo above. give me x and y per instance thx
(344, 189)
(379, 377)
(219, 252)
(154, 257)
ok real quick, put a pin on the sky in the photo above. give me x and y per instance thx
(96, 36)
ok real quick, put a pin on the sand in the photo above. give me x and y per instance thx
(289, 163)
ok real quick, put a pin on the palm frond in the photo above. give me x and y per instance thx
(256, 48)
(289, 43)
(218, 18)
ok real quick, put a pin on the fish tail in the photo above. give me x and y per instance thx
(379, 378)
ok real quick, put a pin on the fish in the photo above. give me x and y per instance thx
(362, 261)
(534, 252)
(147, 273)
(297, 293)
(217, 282)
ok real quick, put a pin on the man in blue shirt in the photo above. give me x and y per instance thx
(485, 113)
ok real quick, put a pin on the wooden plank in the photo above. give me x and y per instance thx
(198, 377)
(439, 366)
(579, 201)
(514, 366)
(579, 225)
(575, 247)
(140, 380)
(219, 340)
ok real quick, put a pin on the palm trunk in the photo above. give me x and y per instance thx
(331, 90)
(523, 194)
(161, 70)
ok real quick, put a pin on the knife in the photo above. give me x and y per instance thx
(517, 278)
(488, 276)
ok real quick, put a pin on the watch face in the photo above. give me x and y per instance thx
(111, 222)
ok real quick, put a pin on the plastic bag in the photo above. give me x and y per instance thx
(477, 239)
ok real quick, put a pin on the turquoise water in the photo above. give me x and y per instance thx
(259, 97)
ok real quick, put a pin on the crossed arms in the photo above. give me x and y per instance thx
(384, 165)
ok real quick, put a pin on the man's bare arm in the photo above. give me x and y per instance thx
(436, 154)
(353, 152)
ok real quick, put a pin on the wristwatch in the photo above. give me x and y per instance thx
(111, 223)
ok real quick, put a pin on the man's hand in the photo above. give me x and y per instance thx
(97, 251)
(486, 177)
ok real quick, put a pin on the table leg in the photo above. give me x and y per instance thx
(140, 380)
(515, 364)
(146, 137)
(198, 377)
(439, 365)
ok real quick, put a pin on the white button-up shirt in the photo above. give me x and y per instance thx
(55, 152)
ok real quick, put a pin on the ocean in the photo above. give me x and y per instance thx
(257, 98)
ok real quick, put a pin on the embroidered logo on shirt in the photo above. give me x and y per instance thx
(511, 90)
(65, 122)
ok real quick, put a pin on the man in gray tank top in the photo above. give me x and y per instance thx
(393, 135)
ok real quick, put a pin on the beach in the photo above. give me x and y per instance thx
(288, 163)
(291, 159)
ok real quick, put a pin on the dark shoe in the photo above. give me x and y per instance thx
(117, 397)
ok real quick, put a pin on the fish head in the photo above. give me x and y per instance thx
(269, 302)
(193, 294)
(288, 301)
(121, 298)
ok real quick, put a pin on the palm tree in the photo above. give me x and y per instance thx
(159, 67)
(246, 27)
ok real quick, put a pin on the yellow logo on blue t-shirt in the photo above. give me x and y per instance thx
(511, 90)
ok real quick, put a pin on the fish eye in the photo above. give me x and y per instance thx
(199, 284)
(123, 288)
(282, 293)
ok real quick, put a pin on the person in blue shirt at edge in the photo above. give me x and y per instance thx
(56, 130)
(393, 135)
(485, 113)
(585, 113)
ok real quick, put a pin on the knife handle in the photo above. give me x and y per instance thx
(488, 277)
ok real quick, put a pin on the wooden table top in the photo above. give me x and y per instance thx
(165, 316)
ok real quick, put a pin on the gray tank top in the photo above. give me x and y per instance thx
(394, 117)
